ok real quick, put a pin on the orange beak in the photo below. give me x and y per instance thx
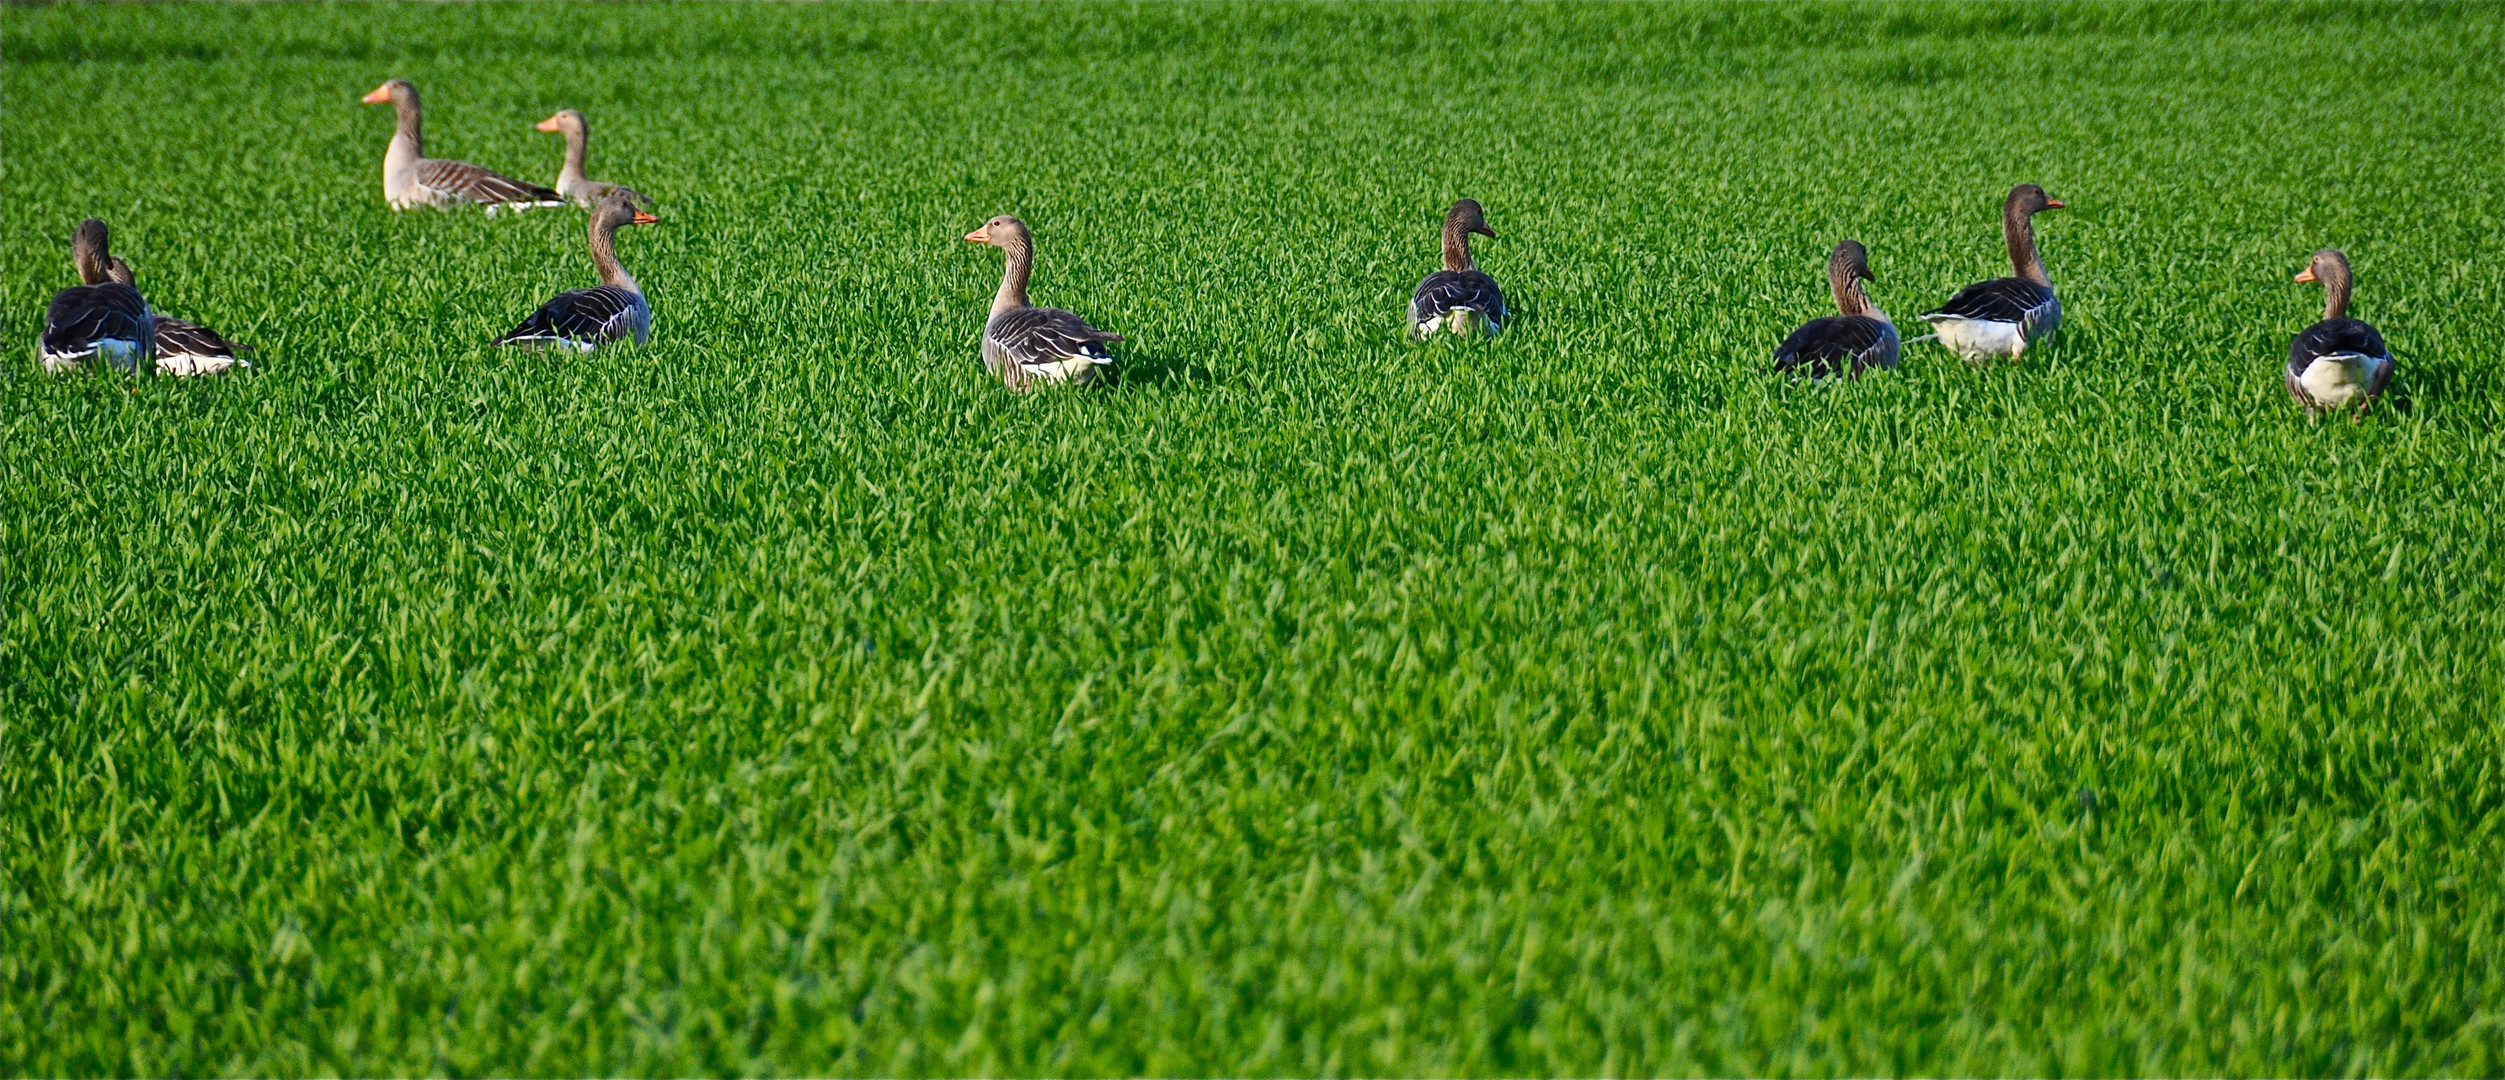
(380, 95)
(981, 236)
(2305, 276)
(642, 218)
(549, 124)
(2054, 204)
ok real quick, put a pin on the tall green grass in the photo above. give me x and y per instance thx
(786, 697)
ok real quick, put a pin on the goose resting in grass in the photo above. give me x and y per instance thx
(1847, 344)
(571, 182)
(1023, 344)
(410, 178)
(184, 347)
(585, 319)
(1459, 297)
(2338, 362)
(2003, 316)
(99, 319)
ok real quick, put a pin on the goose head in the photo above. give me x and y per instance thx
(566, 120)
(91, 251)
(2028, 200)
(1846, 269)
(620, 209)
(2329, 266)
(395, 92)
(1467, 217)
(1004, 232)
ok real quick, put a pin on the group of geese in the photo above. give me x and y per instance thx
(2336, 364)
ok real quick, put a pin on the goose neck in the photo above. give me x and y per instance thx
(2018, 229)
(1021, 264)
(411, 129)
(2335, 286)
(1457, 245)
(604, 256)
(577, 147)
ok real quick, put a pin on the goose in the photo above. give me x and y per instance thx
(585, 319)
(98, 319)
(1459, 297)
(2003, 316)
(410, 178)
(1022, 344)
(2339, 361)
(571, 182)
(1848, 344)
(183, 347)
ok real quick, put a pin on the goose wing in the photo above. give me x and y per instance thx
(1457, 290)
(82, 315)
(2006, 300)
(1035, 336)
(585, 318)
(483, 186)
(186, 347)
(2334, 337)
(1837, 345)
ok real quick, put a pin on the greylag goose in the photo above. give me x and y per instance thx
(184, 347)
(1458, 297)
(410, 178)
(571, 183)
(2003, 316)
(98, 319)
(1848, 344)
(1021, 343)
(2339, 361)
(585, 319)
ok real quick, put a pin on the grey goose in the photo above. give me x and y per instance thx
(577, 188)
(2340, 362)
(1460, 297)
(581, 320)
(1024, 344)
(410, 178)
(2003, 316)
(99, 319)
(1849, 343)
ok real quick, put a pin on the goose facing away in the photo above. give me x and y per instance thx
(1848, 344)
(99, 319)
(2339, 362)
(2003, 316)
(410, 178)
(184, 347)
(585, 319)
(1459, 298)
(571, 182)
(1023, 344)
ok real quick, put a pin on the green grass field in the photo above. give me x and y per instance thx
(787, 697)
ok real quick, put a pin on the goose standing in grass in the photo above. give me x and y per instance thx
(98, 319)
(184, 347)
(2338, 362)
(571, 183)
(1022, 343)
(2003, 316)
(1460, 297)
(410, 178)
(1855, 341)
(585, 319)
